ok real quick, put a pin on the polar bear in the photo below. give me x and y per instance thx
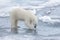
(21, 14)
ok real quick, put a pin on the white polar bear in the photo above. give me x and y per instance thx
(21, 14)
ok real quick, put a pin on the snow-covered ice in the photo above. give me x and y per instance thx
(48, 13)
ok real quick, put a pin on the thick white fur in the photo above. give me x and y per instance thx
(21, 14)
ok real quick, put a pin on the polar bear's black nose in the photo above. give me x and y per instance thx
(35, 26)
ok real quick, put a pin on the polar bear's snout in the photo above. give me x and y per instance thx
(35, 26)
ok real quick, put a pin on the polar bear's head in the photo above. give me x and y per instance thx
(34, 22)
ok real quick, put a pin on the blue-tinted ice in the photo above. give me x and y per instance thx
(44, 31)
(48, 26)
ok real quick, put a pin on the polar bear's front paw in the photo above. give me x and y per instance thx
(14, 30)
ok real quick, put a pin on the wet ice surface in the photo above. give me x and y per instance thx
(44, 31)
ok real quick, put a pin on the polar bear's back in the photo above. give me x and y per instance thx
(21, 13)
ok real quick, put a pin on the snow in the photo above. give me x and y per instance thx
(48, 25)
(7, 4)
(44, 31)
(51, 3)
